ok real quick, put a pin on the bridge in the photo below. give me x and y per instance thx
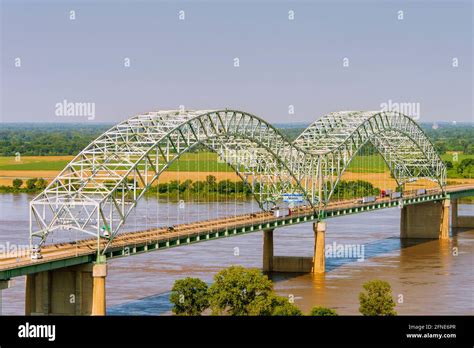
(101, 186)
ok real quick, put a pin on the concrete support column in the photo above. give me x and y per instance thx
(444, 224)
(454, 213)
(268, 250)
(457, 221)
(4, 284)
(99, 272)
(29, 291)
(319, 260)
(404, 222)
(425, 220)
(64, 291)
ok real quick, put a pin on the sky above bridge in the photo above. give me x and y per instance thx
(286, 61)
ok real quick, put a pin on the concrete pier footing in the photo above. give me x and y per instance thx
(76, 290)
(297, 264)
(428, 220)
(460, 221)
(319, 259)
(268, 250)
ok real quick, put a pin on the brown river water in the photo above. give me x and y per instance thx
(427, 276)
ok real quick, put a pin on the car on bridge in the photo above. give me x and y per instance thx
(421, 192)
(367, 199)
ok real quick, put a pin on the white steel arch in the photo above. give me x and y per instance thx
(102, 184)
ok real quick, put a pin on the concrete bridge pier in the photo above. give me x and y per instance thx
(426, 220)
(75, 290)
(268, 250)
(4, 284)
(297, 264)
(454, 214)
(462, 221)
(99, 272)
(319, 259)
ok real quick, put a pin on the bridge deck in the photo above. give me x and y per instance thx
(84, 251)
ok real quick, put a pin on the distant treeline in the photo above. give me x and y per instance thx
(209, 189)
(69, 139)
(47, 140)
(33, 185)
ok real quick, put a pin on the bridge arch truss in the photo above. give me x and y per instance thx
(100, 187)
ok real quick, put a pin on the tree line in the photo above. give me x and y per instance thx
(209, 187)
(31, 139)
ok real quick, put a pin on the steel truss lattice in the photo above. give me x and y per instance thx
(100, 187)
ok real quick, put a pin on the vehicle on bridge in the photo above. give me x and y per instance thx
(281, 212)
(395, 195)
(421, 192)
(367, 199)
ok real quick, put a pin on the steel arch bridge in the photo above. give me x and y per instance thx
(100, 187)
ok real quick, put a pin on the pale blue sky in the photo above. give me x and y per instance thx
(190, 62)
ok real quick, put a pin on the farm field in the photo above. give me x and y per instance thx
(196, 166)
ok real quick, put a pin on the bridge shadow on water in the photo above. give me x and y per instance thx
(371, 249)
(159, 304)
(151, 305)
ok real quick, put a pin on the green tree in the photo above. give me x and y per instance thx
(189, 296)
(17, 183)
(226, 187)
(162, 187)
(283, 307)
(41, 184)
(31, 183)
(173, 185)
(322, 312)
(198, 186)
(273, 305)
(235, 289)
(185, 185)
(466, 167)
(211, 183)
(377, 299)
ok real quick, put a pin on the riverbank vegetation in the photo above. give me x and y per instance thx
(236, 291)
(205, 190)
(239, 291)
(33, 185)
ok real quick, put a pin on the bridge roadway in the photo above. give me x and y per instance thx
(85, 251)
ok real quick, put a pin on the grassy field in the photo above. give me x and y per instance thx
(34, 163)
(451, 157)
(368, 164)
(189, 162)
(202, 162)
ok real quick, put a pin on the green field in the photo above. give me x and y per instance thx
(199, 162)
(376, 164)
(368, 164)
(206, 162)
(34, 163)
(191, 162)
